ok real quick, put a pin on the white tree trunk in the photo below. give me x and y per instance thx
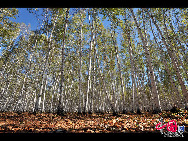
(119, 68)
(89, 71)
(61, 104)
(80, 67)
(157, 106)
(174, 61)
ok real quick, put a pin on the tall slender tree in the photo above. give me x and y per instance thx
(151, 72)
(61, 104)
(172, 56)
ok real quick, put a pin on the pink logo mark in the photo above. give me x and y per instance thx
(171, 126)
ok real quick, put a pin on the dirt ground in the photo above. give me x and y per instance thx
(11, 122)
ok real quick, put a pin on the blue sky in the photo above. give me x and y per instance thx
(30, 19)
(24, 17)
(27, 18)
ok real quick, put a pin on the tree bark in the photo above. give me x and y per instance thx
(174, 88)
(38, 101)
(174, 61)
(156, 101)
(88, 94)
(60, 109)
(176, 57)
(80, 65)
(119, 67)
(134, 91)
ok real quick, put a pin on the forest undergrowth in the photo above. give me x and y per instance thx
(12, 122)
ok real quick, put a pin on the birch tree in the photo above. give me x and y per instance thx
(60, 104)
(149, 61)
(174, 61)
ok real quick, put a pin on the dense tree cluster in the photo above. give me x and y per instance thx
(94, 60)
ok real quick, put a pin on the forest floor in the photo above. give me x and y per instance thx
(11, 122)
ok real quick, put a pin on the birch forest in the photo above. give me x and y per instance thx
(94, 61)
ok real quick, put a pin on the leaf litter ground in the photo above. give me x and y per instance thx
(11, 122)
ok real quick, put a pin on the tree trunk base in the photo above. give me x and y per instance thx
(80, 113)
(186, 106)
(124, 112)
(156, 111)
(174, 109)
(132, 112)
(138, 111)
(115, 114)
(90, 112)
(60, 112)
